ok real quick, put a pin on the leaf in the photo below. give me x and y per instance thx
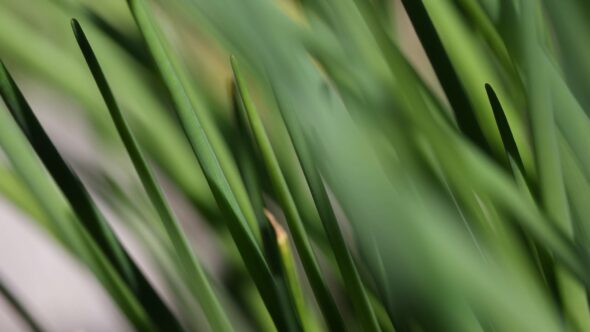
(194, 273)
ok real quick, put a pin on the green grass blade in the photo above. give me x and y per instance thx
(195, 275)
(280, 187)
(221, 175)
(245, 154)
(571, 120)
(578, 190)
(344, 259)
(19, 308)
(446, 74)
(289, 268)
(81, 202)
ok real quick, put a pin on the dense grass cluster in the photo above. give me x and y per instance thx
(348, 185)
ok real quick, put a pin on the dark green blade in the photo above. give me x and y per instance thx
(195, 275)
(83, 206)
(446, 74)
(504, 128)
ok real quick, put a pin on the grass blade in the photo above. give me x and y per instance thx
(195, 275)
(504, 128)
(279, 184)
(289, 269)
(344, 259)
(220, 173)
(81, 202)
(438, 57)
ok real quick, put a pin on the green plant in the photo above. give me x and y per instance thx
(440, 194)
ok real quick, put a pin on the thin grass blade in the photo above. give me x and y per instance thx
(352, 280)
(221, 175)
(195, 275)
(438, 57)
(289, 268)
(504, 128)
(280, 187)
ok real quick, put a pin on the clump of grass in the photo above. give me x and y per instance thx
(334, 175)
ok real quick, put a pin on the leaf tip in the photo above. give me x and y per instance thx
(279, 231)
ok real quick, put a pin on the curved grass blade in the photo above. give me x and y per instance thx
(446, 74)
(220, 173)
(195, 275)
(19, 308)
(279, 184)
(88, 214)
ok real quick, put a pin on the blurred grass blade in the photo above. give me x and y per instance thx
(280, 187)
(572, 121)
(81, 202)
(15, 191)
(195, 275)
(578, 189)
(19, 308)
(544, 132)
(350, 275)
(220, 173)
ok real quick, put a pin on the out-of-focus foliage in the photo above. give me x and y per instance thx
(442, 188)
